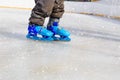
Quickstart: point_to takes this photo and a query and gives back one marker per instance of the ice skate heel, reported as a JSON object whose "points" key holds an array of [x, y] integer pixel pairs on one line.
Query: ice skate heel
{"points": [[36, 32], [63, 34]]}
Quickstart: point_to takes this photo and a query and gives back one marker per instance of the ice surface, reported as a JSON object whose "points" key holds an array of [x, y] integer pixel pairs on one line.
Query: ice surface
{"points": [[93, 53], [104, 7]]}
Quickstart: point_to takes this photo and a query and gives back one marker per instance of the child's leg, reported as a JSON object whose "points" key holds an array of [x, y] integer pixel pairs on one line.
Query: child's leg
{"points": [[58, 9], [42, 9], [53, 24], [57, 12]]}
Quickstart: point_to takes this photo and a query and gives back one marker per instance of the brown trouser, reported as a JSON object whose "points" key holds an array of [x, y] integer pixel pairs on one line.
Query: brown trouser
{"points": [[46, 8]]}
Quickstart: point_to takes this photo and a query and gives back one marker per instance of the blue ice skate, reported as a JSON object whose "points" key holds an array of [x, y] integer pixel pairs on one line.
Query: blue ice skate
{"points": [[60, 34], [36, 32]]}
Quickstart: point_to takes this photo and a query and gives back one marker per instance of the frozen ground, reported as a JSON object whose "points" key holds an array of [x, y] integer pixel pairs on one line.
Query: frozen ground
{"points": [[93, 53]]}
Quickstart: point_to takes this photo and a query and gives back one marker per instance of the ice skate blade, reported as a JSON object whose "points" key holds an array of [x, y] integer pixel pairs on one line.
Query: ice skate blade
{"points": [[38, 38], [62, 39]]}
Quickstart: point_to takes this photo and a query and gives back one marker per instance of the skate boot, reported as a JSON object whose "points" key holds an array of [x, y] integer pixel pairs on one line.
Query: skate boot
{"points": [[59, 34], [37, 32]]}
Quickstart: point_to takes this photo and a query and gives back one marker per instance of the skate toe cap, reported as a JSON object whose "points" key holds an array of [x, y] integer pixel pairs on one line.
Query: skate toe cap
{"points": [[64, 32]]}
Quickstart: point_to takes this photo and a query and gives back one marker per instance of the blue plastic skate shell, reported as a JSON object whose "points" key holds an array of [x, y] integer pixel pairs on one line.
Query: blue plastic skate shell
{"points": [[36, 32], [62, 34]]}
